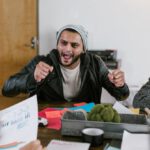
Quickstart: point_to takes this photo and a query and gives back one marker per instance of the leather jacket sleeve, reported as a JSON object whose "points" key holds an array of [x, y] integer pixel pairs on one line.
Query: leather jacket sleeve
{"points": [[22, 82], [120, 93]]}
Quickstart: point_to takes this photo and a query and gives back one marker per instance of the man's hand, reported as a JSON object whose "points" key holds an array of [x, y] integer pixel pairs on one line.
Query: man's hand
{"points": [[117, 77], [34, 145], [42, 70]]}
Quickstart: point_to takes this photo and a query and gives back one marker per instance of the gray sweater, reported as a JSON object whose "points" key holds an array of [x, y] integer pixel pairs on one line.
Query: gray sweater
{"points": [[142, 98]]}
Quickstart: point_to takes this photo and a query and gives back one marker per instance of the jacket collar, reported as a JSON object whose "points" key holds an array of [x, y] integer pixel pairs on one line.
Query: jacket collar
{"points": [[54, 57]]}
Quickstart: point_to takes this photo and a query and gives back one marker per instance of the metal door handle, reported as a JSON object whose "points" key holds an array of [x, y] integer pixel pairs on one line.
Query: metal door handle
{"points": [[33, 43]]}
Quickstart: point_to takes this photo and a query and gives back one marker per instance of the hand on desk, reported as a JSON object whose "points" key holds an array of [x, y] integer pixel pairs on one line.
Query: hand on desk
{"points": [[34, 145]]}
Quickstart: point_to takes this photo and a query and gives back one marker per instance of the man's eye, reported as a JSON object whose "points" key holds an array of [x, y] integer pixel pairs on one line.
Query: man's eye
{"points": [[74, 45], [64, 43]]}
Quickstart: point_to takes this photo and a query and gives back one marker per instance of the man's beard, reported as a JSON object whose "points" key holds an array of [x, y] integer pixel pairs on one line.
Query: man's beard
{"points": [[74, 60]]}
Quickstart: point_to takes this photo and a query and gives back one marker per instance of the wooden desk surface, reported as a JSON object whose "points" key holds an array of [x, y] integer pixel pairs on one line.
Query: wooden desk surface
{"points": [[45, 134]]}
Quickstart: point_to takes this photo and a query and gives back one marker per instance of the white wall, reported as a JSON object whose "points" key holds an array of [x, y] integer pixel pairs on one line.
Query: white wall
{"points": [[117, 24]]}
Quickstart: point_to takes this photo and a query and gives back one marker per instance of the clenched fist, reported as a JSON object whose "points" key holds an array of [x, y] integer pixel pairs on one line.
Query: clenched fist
{"points": [[117, 78], [42, 70]]}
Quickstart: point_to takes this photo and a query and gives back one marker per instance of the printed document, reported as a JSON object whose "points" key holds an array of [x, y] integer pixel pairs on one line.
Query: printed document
{"points": [[19, 124]]}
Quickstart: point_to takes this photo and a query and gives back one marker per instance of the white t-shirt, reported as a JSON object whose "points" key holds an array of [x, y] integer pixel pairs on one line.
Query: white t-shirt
{"points": [[71, 82]]}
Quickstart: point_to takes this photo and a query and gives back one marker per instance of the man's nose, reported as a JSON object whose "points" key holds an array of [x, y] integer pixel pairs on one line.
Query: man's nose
{"points": [[68, 47]]}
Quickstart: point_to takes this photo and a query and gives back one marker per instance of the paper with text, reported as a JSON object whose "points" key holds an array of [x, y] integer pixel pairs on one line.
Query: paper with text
{"points": [[19, 124]]}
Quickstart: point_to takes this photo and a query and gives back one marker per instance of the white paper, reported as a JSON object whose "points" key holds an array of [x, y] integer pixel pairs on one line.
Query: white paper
{"points": [[66, 145], [135, 141], [19, 123], [121, 109]]}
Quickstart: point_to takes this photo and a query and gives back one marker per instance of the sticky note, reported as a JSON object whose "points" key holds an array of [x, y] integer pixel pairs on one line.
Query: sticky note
{"points": [[79, 104], [135, 110], [53, 114]]}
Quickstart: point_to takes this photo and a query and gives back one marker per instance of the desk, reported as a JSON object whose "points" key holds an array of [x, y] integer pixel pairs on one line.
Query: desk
{"points": [[45, 134]]}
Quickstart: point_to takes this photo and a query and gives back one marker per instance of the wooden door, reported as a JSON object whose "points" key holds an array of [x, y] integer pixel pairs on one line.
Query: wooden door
{"points": [[18, 24]]}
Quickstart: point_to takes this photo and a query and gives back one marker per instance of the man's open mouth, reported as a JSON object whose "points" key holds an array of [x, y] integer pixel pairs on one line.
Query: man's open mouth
{"points": [[66, 56]]}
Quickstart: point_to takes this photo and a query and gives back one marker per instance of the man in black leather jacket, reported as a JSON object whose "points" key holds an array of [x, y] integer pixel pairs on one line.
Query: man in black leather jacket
{"points": [[68, 73]]}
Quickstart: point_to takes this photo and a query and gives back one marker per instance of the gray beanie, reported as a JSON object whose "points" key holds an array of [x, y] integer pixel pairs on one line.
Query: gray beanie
{"points": [[80, 29]]}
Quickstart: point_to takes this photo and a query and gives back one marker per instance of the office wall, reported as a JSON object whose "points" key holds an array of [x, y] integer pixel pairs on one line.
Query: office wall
{"points": [[116, 24]]}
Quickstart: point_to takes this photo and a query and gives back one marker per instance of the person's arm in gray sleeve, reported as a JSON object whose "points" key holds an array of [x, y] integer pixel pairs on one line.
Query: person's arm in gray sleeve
{"points": [[22, 82], [142, 97]]}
